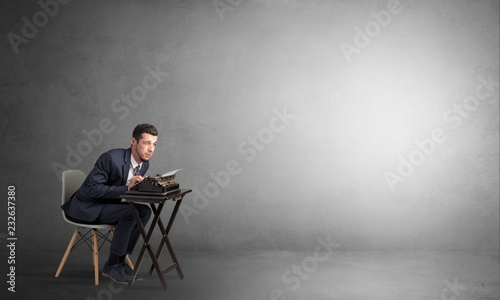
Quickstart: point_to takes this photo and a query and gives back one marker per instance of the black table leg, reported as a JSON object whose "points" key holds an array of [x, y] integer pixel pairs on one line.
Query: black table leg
{"points": [[166, 241], [146, 245]]}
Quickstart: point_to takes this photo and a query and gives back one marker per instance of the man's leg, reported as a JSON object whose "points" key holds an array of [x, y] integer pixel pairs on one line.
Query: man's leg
{"points": [[126, 230], [124, 238], [144, 214]]}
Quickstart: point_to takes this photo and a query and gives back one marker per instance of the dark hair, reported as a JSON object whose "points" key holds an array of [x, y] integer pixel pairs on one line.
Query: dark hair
{"points": [[144, 128]]}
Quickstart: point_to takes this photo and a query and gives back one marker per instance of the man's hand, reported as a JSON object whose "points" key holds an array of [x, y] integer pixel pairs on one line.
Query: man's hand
{"points": [[135, 180]]}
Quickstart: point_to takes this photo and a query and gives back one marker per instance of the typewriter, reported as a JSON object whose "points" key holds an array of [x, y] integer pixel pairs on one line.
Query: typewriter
{"points": [[157, 185]]}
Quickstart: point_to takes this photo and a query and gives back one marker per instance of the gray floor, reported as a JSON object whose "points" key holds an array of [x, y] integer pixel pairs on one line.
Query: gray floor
{"points": [[271, 275]]}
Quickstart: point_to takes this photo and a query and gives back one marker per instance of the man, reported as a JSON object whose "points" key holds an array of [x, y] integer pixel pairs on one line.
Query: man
{"points": [[97, 202]]}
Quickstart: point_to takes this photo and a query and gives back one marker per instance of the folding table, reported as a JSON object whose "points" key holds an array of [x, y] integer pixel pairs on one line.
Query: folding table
{"points": [[156, 202]]}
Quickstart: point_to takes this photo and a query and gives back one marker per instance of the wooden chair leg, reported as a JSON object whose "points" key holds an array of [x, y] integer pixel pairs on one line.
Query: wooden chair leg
{"points": [[68, 250], [95, 255], [129, 262]]}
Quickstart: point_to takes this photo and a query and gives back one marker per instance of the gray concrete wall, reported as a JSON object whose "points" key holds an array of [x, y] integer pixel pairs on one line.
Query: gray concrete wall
{"points": [[371, 124]]}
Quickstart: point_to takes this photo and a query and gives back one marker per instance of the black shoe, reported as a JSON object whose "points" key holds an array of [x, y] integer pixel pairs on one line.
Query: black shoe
{"points": [[116, 273], [129, 272]]}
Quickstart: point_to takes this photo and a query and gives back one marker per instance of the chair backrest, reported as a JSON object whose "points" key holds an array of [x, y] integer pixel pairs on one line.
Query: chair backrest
{"points": [[71, 182]]}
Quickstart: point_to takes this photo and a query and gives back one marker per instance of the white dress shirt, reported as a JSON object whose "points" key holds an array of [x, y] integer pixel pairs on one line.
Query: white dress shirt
{"points": [[133, 164]]}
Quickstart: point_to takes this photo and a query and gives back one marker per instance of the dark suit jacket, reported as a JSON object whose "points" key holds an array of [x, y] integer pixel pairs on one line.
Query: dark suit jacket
{"points": [[102, 186]]}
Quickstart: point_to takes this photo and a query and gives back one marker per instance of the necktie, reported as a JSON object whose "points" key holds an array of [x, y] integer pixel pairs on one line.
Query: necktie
{"points": [[136, 170]]}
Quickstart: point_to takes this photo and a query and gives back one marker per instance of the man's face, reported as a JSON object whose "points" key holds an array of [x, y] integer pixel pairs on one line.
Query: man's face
{"points": [[143, 149]]}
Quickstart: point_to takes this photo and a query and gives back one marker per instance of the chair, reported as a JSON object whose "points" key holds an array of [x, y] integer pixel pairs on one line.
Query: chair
{"points": [[71, 182]]}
